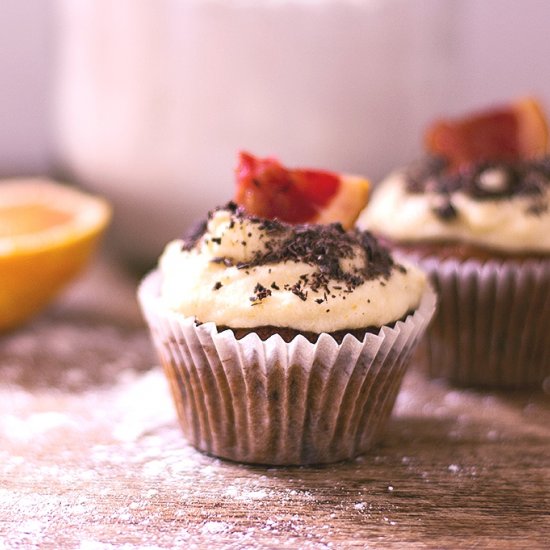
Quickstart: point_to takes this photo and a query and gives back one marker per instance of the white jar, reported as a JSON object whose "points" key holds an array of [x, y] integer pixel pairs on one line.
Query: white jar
{"points": [[155, 97]]}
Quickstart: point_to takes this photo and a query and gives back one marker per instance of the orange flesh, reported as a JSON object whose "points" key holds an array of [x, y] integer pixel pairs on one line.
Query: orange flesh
{"points": [[510, 133], [493, 137], [267, 189], [29, 218]]}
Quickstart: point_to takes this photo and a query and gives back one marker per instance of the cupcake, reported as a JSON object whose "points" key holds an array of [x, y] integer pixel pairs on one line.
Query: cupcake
{"points": [[283, 343], [475, 214]]}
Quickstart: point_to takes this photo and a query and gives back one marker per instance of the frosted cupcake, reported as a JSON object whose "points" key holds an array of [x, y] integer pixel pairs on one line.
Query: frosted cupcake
{"points": [[481, 229], [283, 344]]}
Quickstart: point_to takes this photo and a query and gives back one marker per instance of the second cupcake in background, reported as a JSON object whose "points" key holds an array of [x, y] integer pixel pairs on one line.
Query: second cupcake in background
{"points": [[475, 214], [284, 343]]}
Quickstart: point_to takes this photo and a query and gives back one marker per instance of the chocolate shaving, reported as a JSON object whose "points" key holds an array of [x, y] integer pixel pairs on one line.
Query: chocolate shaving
{"points": [[298, 291], [446, 211], [194, 235], [227, 262], [260, 293]]}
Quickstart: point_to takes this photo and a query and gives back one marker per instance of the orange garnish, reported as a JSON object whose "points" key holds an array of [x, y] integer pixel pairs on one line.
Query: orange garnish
{"points": [[47, 233], [511, 132], [267, 189]]}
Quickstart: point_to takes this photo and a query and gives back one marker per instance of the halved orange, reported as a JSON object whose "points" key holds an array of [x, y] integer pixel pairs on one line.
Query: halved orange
{"points": [[47, 233], [267, 189], [507, 133]]}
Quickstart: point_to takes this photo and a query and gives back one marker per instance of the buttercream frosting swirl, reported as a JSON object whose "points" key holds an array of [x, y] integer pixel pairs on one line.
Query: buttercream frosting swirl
{"points": [[245, 272], [497, 206]]}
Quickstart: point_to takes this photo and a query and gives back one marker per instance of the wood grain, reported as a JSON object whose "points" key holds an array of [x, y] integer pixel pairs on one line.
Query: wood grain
{"points": [[91, 455]]}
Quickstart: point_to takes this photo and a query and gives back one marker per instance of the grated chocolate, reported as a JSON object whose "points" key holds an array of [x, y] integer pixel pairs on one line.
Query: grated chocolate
{"points": [[322, 247], [529, 178]]}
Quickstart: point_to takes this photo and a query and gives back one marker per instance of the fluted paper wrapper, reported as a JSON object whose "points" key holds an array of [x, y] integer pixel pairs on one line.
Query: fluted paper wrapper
{"points": [[273, 402], [492, 326]]}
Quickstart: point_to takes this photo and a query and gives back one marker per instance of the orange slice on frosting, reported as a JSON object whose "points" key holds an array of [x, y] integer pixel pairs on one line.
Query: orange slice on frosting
{"points": [[507, 133], [267, 189]]}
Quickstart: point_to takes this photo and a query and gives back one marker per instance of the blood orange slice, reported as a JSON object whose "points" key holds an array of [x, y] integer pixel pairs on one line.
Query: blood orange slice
{"points": [[507, 133], [267, 189]]}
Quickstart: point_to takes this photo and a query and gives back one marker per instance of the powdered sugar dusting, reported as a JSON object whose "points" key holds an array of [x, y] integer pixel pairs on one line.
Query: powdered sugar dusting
{"points": [[92, 456]]}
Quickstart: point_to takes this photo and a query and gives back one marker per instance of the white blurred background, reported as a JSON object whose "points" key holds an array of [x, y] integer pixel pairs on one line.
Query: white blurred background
{"points": [[148, 101]]}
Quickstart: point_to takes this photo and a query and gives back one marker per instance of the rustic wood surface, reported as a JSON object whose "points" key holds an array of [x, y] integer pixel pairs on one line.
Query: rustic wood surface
{"points": [[91, 455]]}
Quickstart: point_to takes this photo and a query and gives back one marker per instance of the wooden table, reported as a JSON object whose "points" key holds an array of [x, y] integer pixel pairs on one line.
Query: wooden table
{"points": [[91, 455]]}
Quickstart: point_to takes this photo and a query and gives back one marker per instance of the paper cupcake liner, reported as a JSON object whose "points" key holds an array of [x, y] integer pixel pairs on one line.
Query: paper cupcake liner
{"points": [[273, 402], [492, 326]]}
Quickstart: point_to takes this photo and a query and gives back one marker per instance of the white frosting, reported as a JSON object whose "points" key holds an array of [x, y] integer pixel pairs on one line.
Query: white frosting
{"points": [[502, 224], [189, 279]]}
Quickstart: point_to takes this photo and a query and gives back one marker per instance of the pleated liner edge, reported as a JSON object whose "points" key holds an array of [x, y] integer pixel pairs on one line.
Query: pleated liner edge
{"points": [[492, 326], [278, 403]]}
